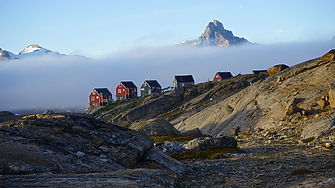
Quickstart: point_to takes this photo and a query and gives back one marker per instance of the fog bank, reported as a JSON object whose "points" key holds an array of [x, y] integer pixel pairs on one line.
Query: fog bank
{"points": [[49, 82]]}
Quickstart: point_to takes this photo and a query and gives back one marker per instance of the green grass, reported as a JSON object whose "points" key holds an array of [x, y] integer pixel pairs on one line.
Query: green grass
{"points": [[161, 138], [210, 153]]}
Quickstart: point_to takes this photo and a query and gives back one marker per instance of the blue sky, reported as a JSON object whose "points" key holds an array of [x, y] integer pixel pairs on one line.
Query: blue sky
{"points": [[97, 29]]}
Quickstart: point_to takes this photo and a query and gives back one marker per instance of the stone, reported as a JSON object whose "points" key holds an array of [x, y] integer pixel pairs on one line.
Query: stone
{"points": [[292, 109], [318, 128], [194, 133], [277, 68], [155, 127], [201, 144], [154, 154]]}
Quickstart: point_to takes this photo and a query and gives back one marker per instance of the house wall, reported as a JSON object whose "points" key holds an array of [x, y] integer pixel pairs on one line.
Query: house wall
{"points": [[95, 98], [216, 78], [122, 93]]}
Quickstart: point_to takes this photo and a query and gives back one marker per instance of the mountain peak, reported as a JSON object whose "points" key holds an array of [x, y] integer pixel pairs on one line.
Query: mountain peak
{"points": [[216, 35]]}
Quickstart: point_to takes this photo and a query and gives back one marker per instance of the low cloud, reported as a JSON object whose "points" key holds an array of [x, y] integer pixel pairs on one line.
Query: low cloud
{"points": [[48, 82]]}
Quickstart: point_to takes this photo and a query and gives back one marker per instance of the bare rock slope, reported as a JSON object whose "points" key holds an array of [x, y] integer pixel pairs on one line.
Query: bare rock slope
{"points": [[74, 144], [296, 97]]}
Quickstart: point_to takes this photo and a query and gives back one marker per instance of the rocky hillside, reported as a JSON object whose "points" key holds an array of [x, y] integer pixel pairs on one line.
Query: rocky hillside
{"points": [[216, 35], [299, 98], [176, 105]]}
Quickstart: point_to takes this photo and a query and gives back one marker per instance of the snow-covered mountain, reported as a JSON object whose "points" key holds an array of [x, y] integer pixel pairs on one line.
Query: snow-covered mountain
{"points": [[216, 35], [33, 50]]}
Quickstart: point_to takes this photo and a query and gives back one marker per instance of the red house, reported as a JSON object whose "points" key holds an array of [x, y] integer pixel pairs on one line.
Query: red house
{"points": [[125, 90], [100, 97], [222, 76]]}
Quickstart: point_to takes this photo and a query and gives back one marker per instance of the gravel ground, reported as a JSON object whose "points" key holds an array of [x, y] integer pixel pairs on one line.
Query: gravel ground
{"points": [[266, 164]]}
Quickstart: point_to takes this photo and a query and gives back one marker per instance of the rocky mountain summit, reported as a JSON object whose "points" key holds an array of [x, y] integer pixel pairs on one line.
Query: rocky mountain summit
{"points": [[33, 50], [6, 55], [216, 35]]}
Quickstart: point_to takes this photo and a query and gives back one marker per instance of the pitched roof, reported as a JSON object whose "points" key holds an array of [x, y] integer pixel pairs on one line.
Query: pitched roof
{"points": [[128, 84], [225, 75], [184, 78], [104, 91], [153, 83]]}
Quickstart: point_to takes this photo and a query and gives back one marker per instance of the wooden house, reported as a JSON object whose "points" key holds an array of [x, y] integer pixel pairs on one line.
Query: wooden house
{"points": [[125, 90], [150, 86], [100, 96], [222, 76], [184, 80]]}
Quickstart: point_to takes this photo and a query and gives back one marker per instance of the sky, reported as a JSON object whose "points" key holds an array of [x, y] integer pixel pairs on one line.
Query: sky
{"points": [[97, 29], [135, 40]]}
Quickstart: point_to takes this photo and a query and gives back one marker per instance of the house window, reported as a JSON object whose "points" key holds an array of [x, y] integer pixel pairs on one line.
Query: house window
{"points": [[123, 89], [217, 76], [134, 90], [119, 91], [92, 98]]}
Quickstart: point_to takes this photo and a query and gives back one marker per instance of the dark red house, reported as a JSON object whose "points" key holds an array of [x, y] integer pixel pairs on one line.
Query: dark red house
{"points": [[222, 76], [100, 96], [125, 90]]}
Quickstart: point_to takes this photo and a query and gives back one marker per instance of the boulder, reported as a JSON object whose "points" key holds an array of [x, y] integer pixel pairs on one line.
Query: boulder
{"points": [[193, 133], [292, 109], [318, 128], [170, 147], [329, 56], [276, 69], [154, 154], [201, 144], [155, 127]]}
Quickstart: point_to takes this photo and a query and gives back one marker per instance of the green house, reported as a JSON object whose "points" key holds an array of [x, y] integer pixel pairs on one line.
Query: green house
{"points": [[150, 86]]}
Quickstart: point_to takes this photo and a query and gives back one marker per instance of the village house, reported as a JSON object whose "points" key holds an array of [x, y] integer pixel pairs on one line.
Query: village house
{"points": [[150, 86], [100, 97], [222, 76], [125, 90], [184, 80]]}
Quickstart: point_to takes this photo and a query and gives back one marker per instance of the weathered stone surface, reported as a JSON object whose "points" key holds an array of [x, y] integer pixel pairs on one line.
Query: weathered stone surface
{"points": [[276, 69], [330, 56], [64, 143], [318, 128], [194, 133], [155, 127], [200, 144], [154, 154], [332, 95], [170, 147], [263, 104]]}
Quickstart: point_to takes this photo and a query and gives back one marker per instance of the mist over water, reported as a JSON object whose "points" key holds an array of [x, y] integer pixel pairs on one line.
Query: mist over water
{"points": [[49, 82]]}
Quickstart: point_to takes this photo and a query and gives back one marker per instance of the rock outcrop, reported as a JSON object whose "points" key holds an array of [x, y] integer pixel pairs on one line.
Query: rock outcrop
{"points": [[155, 127], [216, 35], [276, 69], [71, 144], [330, 56], [287, 97], [201, 144]]}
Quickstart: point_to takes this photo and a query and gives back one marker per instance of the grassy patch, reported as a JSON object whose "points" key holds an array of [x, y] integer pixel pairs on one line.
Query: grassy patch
{"points": [[211, 153], [161, 138], [301, 171]]}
